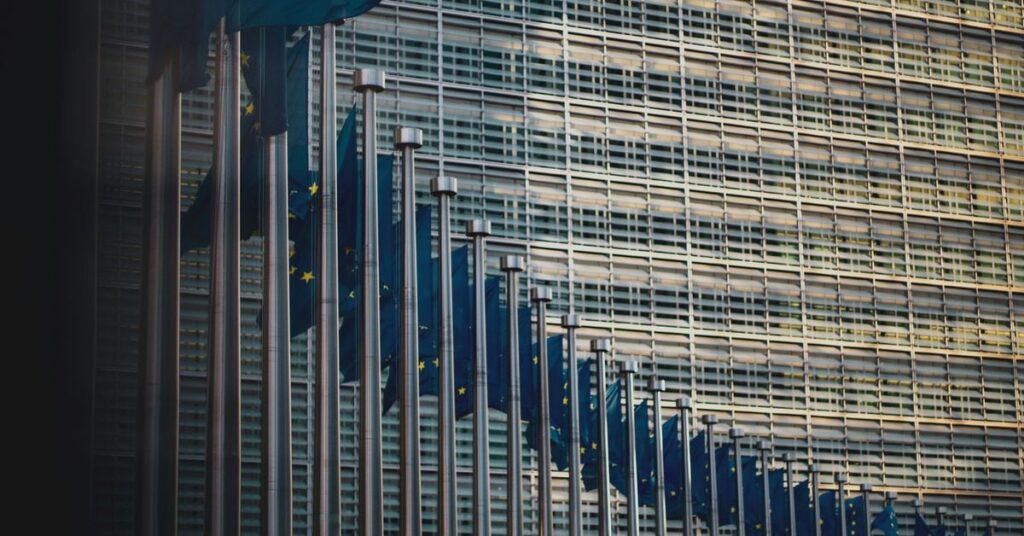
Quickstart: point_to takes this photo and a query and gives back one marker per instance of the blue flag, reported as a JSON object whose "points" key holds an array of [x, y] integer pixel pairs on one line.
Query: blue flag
{"points": [[558, 403], [617, 461], [497, 343], [195, 223], [725, 472], [529, 368], [779, 501], [855, 517], [829, 508], [672, 458], [644, 454], [182, 28], [264, 67], [753, 497], [462, 332], [921, 526], [254, 13], [700, 475], [587, 406], [803, 500], [886, 522]]}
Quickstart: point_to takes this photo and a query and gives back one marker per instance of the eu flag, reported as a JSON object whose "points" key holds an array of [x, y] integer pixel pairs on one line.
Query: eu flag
{"points": [[497, 344], [725, 471], [558, 404], [855, 516], [921, 526], [263, 67], [529, 369], [700, 475], [182, 27], [672, 457], [779, 501], [195, 223], [886, 522], [753, 497], [587, 406], [829, 508], [617, 461], [804, 507], [462, 332], [644, 456], [253, 13]]}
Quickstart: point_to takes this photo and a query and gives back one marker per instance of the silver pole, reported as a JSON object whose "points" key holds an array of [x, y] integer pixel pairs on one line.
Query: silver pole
{"points": [[967, 523], [479, 230], [765, 448], [841, 482], [918, 504], [371, 472], [541, 297], [737, 435], [709, 426], [277, 433], [815, 471], [445, 188], [327, 498], [788, 458], [512, 265], [656, 387], [407, 140], [940, 513], [570, 322], [223, 466], [890, 497], [157, 458], [629, 368], [992, 524], [865, 490], [685, 406], [600, 347]]}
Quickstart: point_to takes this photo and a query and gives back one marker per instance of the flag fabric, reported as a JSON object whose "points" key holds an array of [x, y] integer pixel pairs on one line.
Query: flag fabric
{"points": [[939, 530], [921, 526], [672, 458], [195, 223], [182, 27], [529, 367], [462, 332], [961, 531], [589, 434], [829, 509], [855, 516], [803, 500], [779, 501], [263, 68], [753, 497], [254, 13], [886, 522], [700, 475], [644, 454], [617, 461], [424, 295], [725, 474], [558, 405]]}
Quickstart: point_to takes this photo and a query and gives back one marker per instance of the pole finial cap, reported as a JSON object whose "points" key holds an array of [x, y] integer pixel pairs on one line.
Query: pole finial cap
{"points": [[540, 294], [736, 433], [709, 419], [630, 366], [814, 468], [655, 385], [478, 228], [764, 444], [840, 478], [512, 263], [865, 487], [408, 137], [570, 320], [684, 403], [601, 345], [788, 457], [442, 185], [369, 80]]}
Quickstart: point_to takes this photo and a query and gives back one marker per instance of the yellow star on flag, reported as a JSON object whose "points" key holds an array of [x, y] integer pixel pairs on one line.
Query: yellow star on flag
{"points": [[250, 108], [292, 270], [352, 294], [462, 391], [313, 189], [244, 57], [422, 365], [307, 276], [534, 360], [436, 362], [565, 401]]}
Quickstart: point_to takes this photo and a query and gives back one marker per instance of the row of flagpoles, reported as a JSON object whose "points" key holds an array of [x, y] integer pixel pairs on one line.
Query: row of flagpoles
{"points": [[682, 477]]}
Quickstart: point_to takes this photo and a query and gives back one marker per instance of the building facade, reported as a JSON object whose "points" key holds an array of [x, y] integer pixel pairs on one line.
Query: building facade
{"points": [[808, 216]]}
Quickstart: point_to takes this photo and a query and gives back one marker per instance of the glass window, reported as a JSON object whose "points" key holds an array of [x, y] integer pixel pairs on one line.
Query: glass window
{"points": [[746, 300], [784, 314]]}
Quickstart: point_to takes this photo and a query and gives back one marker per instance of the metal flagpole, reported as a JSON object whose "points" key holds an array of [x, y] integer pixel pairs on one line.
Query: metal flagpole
{"points": [[865, 490], [890, 497], [600, 347], [512, 265], [736, 434], [479, 230], [445, 188], [765, 448], [541, 296], [407, 140], [940, 513], [570, 322], [815, 471], [918, 504], [685, 406], [157, 446], [709, 426], [629, 368], [968, 517], [277, 433], [656, 387], [371, 473], [841, 482], [788, 458], [223, 466], [327, 464], [992, 524]]}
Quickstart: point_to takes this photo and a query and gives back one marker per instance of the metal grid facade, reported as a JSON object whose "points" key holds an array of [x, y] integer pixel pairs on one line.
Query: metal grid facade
{"points": [[807, 216]]}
